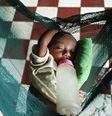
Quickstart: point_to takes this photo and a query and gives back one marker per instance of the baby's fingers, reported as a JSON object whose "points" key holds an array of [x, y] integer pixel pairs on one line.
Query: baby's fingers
{"points": [[81, 95]]}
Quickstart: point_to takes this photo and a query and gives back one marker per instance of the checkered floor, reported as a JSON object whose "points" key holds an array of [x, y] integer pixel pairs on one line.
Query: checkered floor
{"points": [[26, 33], [26, 29]]}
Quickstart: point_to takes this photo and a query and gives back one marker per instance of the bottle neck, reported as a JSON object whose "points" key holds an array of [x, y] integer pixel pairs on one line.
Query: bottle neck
{"points": [[66, 61]]}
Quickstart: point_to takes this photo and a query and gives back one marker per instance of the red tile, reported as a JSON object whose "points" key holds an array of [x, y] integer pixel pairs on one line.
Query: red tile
{"points": [[67, 12], [92, 3], [3, 3], [5, 30], [21, 17], [110, 61], [108, 8], [25, 79], [48, 3], [6, 3], [8, 24], [37, 31], [90, 30], [16, 49]]}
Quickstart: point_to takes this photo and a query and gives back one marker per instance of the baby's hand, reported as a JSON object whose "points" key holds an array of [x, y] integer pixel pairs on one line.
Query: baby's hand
{"points": [[81, 95]]}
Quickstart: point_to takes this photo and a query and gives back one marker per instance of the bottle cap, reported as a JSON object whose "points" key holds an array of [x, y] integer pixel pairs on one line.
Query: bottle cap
{"points": [[66, 61]]}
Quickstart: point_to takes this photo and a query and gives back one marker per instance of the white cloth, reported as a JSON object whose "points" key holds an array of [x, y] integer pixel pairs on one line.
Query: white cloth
{"points": [[43, 74]]}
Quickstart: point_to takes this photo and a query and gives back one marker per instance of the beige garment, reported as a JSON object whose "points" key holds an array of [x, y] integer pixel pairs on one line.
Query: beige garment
{"points": [[43, 74]]}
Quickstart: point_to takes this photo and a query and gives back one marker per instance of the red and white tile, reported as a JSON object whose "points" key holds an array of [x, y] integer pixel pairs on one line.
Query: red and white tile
{"points": [[25, 29]]}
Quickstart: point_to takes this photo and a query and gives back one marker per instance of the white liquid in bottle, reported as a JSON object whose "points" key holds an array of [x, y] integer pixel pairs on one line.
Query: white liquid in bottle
{"points": [[68, 101]]}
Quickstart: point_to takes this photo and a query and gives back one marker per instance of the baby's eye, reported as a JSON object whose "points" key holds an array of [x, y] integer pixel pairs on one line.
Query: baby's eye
{"points": [[59, 48]]}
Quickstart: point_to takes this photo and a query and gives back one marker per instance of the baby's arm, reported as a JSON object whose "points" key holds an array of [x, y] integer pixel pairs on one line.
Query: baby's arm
{"points": [[44, 41]]}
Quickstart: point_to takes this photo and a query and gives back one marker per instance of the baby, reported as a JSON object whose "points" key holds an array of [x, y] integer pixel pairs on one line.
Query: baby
{"points": [[61, 45], [53, 46]]}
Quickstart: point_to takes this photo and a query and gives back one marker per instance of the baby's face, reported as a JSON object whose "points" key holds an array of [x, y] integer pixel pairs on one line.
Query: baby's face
{"points": [[63, 48]]}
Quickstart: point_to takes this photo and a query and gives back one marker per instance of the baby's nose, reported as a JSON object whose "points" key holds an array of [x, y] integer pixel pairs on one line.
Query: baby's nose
{"points": [[67, 54]]}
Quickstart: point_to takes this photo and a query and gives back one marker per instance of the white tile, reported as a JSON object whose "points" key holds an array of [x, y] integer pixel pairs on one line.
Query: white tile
{"points": [[15, 67], [1, 113], [21, 30], [91, 9], [49, 12], [31, 3], [77, 35], [69, 3], [32, 42], [26, 86], [7, 13], [21, 107], [85, 10], [108, 3], [2, 46], [99, 22], [106, 64], [111, 91]]}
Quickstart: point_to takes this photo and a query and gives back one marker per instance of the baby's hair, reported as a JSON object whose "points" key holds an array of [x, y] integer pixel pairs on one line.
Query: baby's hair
{"points": [[61, 33]]}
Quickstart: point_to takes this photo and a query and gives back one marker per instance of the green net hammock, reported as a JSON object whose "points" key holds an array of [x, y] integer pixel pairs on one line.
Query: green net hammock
{"points": [[13, 95]]}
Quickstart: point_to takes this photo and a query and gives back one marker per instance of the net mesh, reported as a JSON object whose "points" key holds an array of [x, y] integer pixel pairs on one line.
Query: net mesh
{"points": [[13, 95]]}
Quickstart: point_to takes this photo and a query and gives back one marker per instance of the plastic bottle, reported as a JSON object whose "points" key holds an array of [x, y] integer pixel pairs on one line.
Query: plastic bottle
{"points": [[68, 101]]}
